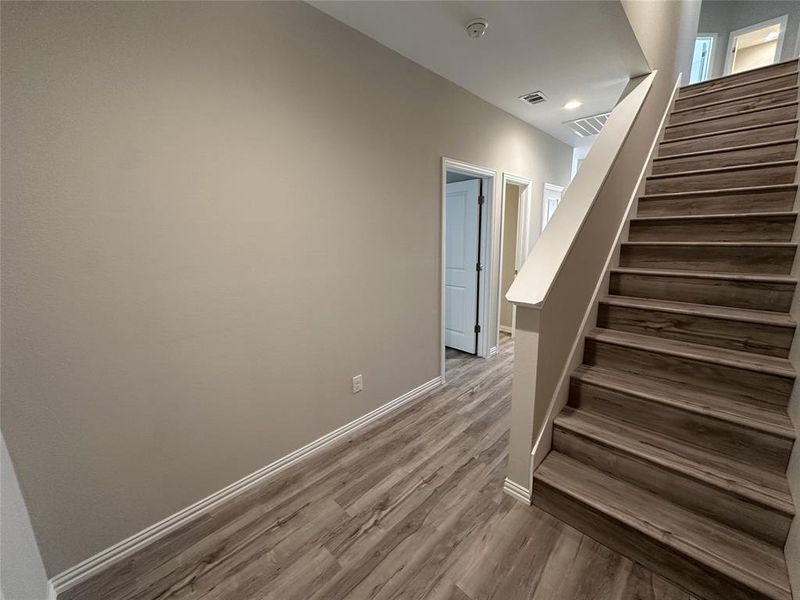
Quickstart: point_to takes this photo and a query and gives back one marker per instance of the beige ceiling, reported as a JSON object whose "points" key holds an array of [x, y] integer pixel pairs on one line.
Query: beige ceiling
{"points": [[568, 49]]}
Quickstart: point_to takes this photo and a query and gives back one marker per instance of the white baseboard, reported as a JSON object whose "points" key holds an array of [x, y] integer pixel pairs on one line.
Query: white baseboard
{"points": [[517, 492], [506, 329], [103, 560]]}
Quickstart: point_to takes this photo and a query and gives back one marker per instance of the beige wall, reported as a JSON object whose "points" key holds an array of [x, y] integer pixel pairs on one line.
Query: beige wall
{"points": [[175, 313], [510, 210]]}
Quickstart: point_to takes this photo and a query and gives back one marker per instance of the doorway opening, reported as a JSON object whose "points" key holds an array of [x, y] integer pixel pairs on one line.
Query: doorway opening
{"points": [[758, 45], [516, 242], [551, 198], [467, 194], [704, 46]]}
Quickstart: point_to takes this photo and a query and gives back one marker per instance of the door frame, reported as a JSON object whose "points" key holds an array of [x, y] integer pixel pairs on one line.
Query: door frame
{"points": [[554, 188], [782, 21], [487, 252], [524, 234]]}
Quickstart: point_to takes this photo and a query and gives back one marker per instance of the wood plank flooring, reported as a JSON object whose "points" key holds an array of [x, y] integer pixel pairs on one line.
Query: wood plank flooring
{"points": [[411, 508]]}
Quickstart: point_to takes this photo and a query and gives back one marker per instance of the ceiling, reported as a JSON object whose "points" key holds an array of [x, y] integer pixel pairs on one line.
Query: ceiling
{"points": [[568, 49]]}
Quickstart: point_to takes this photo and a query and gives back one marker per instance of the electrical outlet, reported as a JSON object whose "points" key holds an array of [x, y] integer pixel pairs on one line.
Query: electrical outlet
{"points": [[358, 384]]}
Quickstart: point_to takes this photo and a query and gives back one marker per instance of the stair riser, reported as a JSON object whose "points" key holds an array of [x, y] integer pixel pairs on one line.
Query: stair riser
{"points": [[727, 158], [757, 87], [714, 180], [723, 437], [648, 551], [710, 501], [723, 380], [721, 333], [759, 117], [720, 259], [756, 295], [731, 107], [755, 228], [770, 133], [751, 202], [754, 75]]}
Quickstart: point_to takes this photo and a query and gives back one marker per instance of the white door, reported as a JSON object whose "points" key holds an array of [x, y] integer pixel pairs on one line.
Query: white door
{"points": [[461, 260], [552, 196]]}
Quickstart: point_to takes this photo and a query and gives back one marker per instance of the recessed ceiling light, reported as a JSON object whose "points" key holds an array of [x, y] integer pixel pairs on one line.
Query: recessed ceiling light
{"points": [[772, 35], [572, 104]]}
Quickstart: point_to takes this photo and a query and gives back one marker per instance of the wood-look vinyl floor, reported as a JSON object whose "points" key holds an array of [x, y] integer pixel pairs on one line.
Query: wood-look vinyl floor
{"points": [[411, 508]]}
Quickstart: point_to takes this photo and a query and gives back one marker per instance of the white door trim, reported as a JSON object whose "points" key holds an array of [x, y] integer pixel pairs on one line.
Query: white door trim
{"points": [[782, 21], [796, 52], [553, 188], [523, 237], [488, 252]]}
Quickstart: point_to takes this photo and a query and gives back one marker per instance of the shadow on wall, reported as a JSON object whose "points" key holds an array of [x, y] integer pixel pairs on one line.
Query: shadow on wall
{"points": [[22, 574]]}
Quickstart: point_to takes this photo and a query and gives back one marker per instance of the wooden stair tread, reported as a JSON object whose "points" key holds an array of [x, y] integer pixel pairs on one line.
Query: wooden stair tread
{"points": [[727, 131], [759, 363], [744, 315], [761, 417], [729, 115], [678, 111], [714, 216], [748, 167], [714, 244], [754, 277], [754, 484], [725, 149], [723, 191], [734, 85], [739, 556]]}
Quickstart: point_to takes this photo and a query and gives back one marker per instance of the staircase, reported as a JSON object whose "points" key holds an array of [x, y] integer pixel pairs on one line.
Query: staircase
{"points": [[674, 444]]}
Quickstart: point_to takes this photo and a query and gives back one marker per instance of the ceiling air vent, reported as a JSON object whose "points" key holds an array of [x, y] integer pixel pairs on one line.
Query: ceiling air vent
{"points": [[533, 98], [587, 126]]}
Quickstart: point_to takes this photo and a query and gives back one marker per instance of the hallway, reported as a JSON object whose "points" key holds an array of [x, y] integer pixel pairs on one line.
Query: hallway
{"points": [[410, 508]]}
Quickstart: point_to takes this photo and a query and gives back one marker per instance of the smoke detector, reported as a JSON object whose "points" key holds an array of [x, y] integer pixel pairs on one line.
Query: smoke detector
{"points": [[476, 28]]}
